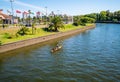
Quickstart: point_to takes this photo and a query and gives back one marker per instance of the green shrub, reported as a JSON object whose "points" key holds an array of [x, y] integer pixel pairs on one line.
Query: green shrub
{"points": [[23, 31], [115, 20], [75, 24], [7, 35], [83, 24], [17, 35], [0, 42]]}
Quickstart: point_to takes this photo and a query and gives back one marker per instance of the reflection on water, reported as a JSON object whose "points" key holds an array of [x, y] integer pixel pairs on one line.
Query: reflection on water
{"points": [[92, 56]]}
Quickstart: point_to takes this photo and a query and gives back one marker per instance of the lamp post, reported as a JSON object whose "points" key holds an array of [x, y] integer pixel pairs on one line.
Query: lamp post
{"points": [[72, 19], [58, 12], [29, 21], [12, 11], [46, 16]]}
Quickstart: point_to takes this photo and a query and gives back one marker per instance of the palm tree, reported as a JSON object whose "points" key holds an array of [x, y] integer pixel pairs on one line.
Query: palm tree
{"points": [[33, 28], [56, 23]]}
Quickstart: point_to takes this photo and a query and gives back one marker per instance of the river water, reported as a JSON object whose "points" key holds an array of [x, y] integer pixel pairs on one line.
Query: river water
{"points": [[92, 56]]}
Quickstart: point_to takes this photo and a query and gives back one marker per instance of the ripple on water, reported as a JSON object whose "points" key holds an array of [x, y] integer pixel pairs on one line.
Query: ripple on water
{"points": [[92, 56]]}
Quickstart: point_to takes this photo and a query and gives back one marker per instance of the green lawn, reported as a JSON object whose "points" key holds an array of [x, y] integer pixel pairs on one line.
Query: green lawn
{"points": [[39, 32]]}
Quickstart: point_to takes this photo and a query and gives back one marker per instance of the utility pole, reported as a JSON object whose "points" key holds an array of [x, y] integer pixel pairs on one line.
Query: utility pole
{"points": [[12, 11]]}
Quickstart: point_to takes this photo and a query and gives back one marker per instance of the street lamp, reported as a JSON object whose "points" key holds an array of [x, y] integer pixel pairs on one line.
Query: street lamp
{"points": [[72, 19], [58, 12], [12, 11], [29, 18], [46, 16]]}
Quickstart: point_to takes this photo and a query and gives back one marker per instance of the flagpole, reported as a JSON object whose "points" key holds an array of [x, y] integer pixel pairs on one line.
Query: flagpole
{"points": [[12, 11], [23, 17], [16, 16], [17, 12]]}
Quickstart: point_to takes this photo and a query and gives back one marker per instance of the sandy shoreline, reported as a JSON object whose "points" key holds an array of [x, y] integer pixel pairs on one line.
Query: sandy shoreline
{"points": [[28, 42]]}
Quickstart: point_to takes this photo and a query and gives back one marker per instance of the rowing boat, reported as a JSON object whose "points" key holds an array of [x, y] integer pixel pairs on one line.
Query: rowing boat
{"points": [[56, 48]]}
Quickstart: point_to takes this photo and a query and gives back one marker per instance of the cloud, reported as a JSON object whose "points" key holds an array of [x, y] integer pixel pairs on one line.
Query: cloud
{"points": [[28, 5]]}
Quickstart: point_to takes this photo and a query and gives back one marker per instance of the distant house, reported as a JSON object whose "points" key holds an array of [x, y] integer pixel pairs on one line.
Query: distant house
{"points": [[6, 18]]}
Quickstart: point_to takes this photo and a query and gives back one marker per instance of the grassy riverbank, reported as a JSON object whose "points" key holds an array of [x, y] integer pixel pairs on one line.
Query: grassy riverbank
{"points": [[39, 32]]}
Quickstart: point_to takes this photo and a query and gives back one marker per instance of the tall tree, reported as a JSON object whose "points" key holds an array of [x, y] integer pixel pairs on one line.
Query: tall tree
{"points": [[56, 23], [103, 16], [108, 17]]}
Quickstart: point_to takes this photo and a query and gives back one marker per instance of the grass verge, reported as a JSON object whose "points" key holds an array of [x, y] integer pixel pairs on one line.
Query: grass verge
{"points": [[38, 33]]}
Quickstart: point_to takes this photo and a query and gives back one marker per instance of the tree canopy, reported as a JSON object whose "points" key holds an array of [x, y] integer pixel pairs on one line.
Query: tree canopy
{"points": [[81, 20], [103, 16], [56, 23]]}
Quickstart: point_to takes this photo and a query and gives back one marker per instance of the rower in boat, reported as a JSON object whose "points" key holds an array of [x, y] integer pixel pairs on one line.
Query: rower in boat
{"points": [[58, 47]]}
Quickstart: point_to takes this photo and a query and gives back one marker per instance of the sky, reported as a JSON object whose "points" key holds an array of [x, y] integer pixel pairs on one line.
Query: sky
{"points": [[70, 7]]}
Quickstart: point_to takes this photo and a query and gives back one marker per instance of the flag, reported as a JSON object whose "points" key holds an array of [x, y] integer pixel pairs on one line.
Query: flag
{"points": [[25, 12], [1, 9], [32, 13], [17, 11], [38, 13]]}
